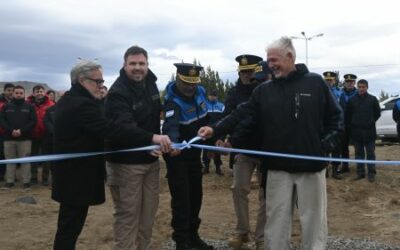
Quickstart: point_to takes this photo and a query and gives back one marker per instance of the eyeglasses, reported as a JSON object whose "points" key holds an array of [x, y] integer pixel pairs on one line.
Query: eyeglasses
{"points": [[97, 81]]}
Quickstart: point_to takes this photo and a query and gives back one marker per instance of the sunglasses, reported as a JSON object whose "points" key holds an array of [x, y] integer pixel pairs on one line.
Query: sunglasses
{"points": [[97, 81]]}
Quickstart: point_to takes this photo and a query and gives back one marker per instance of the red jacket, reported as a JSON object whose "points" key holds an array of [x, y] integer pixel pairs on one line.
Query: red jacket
{"points": [[39, 130]]}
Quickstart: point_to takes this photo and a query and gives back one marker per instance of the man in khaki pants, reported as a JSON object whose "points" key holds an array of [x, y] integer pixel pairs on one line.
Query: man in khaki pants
{"points": [[134, 102], [245, 165], [297, 114], [18, 119]]}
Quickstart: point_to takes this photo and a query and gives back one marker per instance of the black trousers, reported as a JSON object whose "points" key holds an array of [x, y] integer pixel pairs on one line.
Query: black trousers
{"points": [[345, 147], [185, 186], [70, 223]]}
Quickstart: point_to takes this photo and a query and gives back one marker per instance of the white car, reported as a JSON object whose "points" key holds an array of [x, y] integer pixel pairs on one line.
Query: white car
{"points": [[385, 126]]}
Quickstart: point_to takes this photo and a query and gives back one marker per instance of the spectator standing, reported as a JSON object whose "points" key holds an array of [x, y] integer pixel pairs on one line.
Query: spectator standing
{"points": [[5, 98], [18, 119], [214, 109], [41, 102], [362, 112], [349, 90]]}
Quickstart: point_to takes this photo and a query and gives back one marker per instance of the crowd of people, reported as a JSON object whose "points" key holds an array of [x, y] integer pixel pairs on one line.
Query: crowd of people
{"points": [[276, 105]]}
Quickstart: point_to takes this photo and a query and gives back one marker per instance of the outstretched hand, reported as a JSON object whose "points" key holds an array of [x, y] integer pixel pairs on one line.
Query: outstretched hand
{"points": [[205, 132]]}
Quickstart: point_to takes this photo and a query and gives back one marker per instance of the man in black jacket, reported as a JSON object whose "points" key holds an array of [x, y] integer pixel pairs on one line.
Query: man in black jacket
{"points": [[79, 127], [18, 118], [362, 112], [298, 115], [245, 165], [133, 178]]}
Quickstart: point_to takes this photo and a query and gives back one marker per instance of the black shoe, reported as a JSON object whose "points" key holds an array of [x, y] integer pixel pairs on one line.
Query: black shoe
{"points": [[45, 183], [196, 243], [359, 177], [206, 170], [34, 181], [371, 178]]}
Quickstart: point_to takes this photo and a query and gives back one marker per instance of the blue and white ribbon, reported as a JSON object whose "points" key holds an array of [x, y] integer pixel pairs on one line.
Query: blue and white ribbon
{"points": [[192, 144]]}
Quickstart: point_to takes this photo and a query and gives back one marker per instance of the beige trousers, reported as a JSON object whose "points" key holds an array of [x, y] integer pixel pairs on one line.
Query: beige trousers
{"points": [[243, 169], [135, 192], [17, 149], [283, 189]]}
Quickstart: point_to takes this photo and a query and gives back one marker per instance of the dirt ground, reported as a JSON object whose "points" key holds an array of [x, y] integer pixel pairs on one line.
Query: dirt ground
{"points": [[355, 209]]}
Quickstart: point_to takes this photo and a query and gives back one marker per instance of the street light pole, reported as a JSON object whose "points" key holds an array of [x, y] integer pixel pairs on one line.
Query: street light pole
{"points": [[306, 39]]}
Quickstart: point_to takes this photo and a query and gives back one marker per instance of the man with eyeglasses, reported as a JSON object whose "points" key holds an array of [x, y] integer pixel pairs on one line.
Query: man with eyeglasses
{"points": [[133, 177], [79, 127]]}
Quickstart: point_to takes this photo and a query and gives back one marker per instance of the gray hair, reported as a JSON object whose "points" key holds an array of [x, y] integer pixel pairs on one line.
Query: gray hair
{"points": [[82, 68], [285, 44]]}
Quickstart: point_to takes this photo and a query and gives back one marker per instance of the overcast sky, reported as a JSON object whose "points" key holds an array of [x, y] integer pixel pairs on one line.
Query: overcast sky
{"points": [[42, 39]]}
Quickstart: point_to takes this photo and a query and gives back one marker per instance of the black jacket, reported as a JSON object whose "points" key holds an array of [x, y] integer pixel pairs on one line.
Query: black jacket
{"points": [[295, 114], [138, 108], [235, 97], [18, 114], [79, 127], [362, 112]]}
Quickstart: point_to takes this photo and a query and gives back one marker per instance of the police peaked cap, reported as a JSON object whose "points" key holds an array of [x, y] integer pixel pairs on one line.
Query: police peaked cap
{"points": [[247, 62], [262, 71], [350, 77], [329, 75], [188, 72]]}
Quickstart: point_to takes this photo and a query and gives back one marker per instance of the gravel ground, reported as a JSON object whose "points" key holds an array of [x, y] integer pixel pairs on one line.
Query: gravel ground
{"points": [[334, 243]]}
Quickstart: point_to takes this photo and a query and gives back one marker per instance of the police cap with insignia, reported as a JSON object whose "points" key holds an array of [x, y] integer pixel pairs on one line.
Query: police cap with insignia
{"points": [[247, 62], [188, 72], [349, 77], [329, 75], [261, 71]]}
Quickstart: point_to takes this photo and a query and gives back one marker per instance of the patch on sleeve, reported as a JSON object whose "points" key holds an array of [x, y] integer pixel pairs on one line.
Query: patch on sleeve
{"points": [[169, 113]]}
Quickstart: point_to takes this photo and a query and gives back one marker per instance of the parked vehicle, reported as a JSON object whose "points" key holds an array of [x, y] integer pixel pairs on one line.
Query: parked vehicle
{"points": [[385, 126]]}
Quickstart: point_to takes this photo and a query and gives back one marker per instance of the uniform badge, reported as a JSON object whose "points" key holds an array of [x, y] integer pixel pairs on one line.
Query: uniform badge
{"points": [[169, 113], [192, 72], [244, 61]]}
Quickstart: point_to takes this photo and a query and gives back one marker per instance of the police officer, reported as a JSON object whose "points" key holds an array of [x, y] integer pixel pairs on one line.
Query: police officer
{"points": [[185, 112], [214, 109], [349, 91], [331, 78], [245, 165]]}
